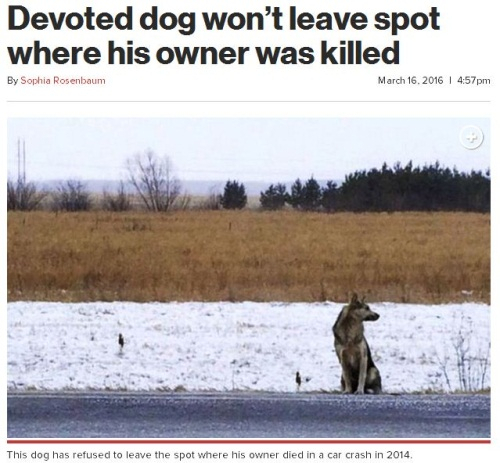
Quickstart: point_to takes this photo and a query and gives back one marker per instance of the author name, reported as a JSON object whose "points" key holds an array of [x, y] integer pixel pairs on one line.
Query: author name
{"points": [[55, 80]]}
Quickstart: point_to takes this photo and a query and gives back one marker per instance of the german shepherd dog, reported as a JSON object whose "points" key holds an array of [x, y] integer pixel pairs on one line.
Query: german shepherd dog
{"points": [[359, 373]]}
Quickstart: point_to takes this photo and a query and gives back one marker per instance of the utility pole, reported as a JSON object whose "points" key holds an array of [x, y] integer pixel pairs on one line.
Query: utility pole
{"points": [[24, 161], [21, 170], [18, 160]]}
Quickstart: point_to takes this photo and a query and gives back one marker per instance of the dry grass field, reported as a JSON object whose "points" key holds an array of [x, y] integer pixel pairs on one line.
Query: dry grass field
{"points": [[248, 255]]}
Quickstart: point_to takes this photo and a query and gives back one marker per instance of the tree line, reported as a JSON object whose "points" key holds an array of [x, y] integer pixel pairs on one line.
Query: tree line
{"points": [[398, 188]]}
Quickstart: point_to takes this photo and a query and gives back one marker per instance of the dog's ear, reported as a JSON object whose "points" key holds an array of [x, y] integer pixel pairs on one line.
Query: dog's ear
{"points": [[354, 298], [363, 299]]}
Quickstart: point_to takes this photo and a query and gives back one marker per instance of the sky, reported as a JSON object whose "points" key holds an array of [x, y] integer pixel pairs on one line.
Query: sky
{"points": [[247, 346], [244, 149]]}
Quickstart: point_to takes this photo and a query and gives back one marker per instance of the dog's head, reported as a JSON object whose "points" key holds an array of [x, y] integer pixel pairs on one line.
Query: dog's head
{"points": [[360, 310]]}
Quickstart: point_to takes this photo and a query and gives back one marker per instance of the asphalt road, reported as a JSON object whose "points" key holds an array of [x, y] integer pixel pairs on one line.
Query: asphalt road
{"points": [[247, 415]]}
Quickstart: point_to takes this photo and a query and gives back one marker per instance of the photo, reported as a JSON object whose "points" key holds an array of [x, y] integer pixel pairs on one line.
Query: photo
{"points": [[248, 278]]}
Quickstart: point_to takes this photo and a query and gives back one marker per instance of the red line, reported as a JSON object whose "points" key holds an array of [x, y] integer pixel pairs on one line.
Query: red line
{"points": [[249, 441]]}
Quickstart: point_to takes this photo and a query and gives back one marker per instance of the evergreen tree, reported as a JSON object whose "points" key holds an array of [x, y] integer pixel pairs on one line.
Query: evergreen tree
{"points": [[329, 196], [306, 196], [296, 196], [234, 196], [408, 188], [274, 197], [311, 198]]}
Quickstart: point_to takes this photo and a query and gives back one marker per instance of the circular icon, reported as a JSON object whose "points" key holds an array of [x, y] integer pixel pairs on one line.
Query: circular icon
{"points": [[471, 137]]}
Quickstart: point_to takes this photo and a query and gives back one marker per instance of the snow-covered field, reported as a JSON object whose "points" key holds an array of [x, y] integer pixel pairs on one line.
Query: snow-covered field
{"points": [[238, 346]]}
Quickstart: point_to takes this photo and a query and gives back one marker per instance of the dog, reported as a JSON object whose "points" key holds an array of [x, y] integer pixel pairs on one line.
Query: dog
{"points": [[359, 373]]}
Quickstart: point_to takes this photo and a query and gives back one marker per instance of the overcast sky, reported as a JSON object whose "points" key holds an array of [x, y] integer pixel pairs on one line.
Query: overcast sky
{"points": [[244, 149]]}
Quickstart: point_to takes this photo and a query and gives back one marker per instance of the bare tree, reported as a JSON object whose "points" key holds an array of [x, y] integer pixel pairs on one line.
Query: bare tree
{"points": [[118, 202], [153, 179], [212, 201], [72, 196], [23, 196]]}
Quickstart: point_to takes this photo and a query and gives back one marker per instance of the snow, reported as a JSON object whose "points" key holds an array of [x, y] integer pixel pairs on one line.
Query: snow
{"points": [[244, 346]]}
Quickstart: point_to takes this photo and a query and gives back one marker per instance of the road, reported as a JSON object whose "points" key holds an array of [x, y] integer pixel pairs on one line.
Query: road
{"points": [[246, 415]]}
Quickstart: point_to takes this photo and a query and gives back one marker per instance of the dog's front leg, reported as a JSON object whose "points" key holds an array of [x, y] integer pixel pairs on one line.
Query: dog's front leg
{"points": [[344, 363], [347, 381], [363, 367]]}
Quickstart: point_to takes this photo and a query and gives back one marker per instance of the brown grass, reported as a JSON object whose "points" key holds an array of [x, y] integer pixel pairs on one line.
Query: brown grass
{"points": [[248, 255]]}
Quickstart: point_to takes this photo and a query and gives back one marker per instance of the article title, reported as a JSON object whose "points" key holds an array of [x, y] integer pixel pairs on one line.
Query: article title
{"points": [[336, 51]]}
